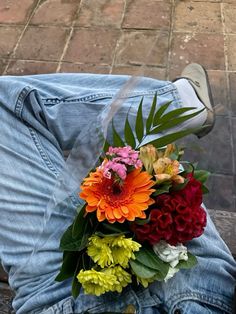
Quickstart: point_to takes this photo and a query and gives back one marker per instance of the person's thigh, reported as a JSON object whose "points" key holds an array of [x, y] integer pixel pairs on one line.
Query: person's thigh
{"points": [[36, 127], [40, 117], [29, 168]]}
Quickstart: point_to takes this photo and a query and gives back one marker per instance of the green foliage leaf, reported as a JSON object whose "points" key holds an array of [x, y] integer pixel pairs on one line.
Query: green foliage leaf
{"points": [[188, 166], [162, 188], [112, 229], [177, 154], [76, 285], [175, 113], [173, 122], [79, 221], [149, 121], [141, 270], [192, 261], [180, 186], [129, 136], [204, 189], [201, 175], [170, 138], [69, 265], [147, 257], [139, 127], [86, 261], [69, 243], [117, 140], [106, 146], [142, 222], [160, 112]]}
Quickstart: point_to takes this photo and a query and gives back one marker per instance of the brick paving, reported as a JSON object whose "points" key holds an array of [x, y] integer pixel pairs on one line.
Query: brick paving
{"points": [[114, 36]]}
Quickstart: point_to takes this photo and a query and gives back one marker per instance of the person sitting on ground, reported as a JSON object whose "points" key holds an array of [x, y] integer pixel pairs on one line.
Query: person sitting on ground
{"points": [[41, 116]]}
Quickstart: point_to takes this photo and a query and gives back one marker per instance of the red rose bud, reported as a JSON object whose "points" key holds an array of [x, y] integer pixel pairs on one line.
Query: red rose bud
{"points": [[177, 218]]}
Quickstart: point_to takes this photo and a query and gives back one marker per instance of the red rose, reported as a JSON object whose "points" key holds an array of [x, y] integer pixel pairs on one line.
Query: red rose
{"points": [[177, 217]]}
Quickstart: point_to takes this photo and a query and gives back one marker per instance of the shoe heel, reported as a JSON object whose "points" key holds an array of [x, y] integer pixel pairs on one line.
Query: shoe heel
{"points": [[208, 126]]}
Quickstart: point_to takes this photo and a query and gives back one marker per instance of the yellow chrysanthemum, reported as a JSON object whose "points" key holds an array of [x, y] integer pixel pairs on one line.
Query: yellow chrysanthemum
{"points": [[145, 281], [125, 243], [112, 250], [122, 250], [122, 276], [99, 251], [96, 283]]}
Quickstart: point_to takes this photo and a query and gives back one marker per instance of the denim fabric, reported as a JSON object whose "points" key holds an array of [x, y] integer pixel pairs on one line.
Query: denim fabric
{"points": [[41, 116]]}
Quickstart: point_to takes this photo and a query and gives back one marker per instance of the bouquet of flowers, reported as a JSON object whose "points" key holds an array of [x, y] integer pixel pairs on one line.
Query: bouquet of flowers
{"points": [[142, 204]]}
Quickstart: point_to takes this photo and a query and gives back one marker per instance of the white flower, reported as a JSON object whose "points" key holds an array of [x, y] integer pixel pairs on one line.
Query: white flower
{"points": [[171, 272], [169, 253]]}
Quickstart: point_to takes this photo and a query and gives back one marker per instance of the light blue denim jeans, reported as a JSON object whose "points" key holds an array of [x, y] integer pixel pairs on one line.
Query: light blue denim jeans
{"points": [[40, 118]]}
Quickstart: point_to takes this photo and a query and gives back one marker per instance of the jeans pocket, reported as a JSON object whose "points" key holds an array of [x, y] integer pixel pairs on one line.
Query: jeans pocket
{"points": [[63, 307], [196, 307]]}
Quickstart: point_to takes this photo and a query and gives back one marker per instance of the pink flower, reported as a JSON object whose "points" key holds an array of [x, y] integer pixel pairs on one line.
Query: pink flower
{"points": [[119, 169], [120, 159], [125, 155]]}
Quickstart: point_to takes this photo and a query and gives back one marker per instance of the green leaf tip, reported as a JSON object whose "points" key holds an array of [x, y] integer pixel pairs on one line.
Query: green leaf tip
{"points": [[139, 126], [129, 136]]}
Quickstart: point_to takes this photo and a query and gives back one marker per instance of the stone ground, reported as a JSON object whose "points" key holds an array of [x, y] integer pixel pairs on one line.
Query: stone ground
{"points": [[114, 36]]}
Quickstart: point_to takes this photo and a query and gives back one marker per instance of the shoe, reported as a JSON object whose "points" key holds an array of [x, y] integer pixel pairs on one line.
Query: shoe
{"points": [[198, 78]]}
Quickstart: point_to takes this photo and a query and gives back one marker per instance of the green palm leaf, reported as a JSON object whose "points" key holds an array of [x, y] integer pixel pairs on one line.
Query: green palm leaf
{"points": [[129, 136], [117, 140], [149, 121], [160, 112], [139, 127], [171, 123], [157, 121], [106, 146], [174, 113], [170, 138]]}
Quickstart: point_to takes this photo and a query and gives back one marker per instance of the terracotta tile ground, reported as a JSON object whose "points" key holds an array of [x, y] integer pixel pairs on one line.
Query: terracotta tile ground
{"points": [[115, 36]]}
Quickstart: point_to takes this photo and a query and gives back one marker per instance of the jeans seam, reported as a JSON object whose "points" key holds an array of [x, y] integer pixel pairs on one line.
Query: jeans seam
{"points": [[197, 296], [18, 111], [42, 151], [159, 91], [176, 96], [20, 100]]}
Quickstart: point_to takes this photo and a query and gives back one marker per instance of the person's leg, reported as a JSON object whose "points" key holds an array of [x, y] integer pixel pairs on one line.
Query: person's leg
{"points": [[39, 124], [40, 117], [29, 167]]}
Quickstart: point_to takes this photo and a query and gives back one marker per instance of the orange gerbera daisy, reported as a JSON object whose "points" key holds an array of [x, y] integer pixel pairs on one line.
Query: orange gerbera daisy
{"points": [[118, 202]]}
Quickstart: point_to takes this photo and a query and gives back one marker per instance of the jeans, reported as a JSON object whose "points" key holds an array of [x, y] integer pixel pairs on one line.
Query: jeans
{"points": [[41, 116]]}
